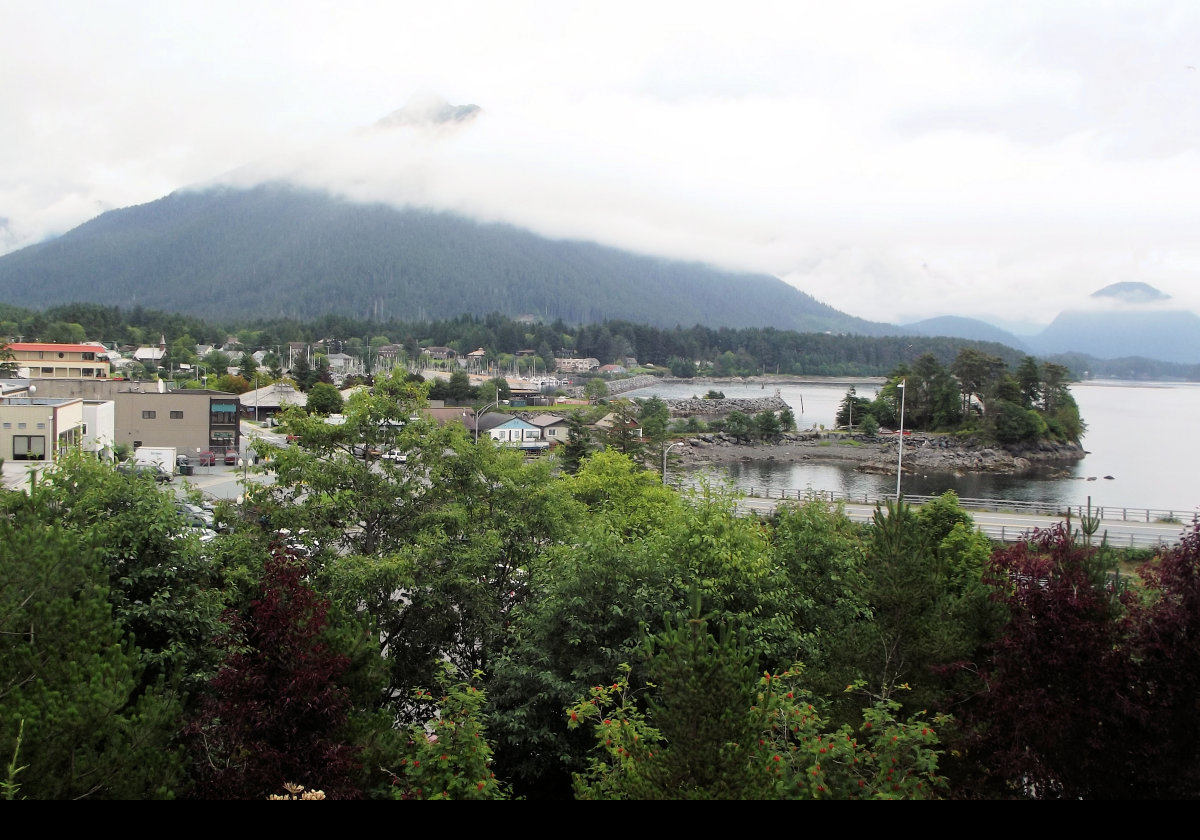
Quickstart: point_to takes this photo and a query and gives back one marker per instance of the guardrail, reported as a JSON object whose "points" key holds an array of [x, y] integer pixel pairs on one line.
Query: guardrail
{"points": [[1104, 512], [1120, 534]]}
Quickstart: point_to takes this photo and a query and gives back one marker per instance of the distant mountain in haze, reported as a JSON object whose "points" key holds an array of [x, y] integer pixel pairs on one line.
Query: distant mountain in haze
{"points": [[1127, 320], [1132, 293], [429, 111], [277, 251], [1169, 335], [970, 328]]}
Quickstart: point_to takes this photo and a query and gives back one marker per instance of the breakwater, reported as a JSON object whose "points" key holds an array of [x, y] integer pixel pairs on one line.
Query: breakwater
{"points": [[723, 407]]}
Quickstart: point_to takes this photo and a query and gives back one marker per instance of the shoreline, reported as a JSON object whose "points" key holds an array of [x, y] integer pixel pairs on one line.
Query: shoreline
{"points": [[922, 453]]}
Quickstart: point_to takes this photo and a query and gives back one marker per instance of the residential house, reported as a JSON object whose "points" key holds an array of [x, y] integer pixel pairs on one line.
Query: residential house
{"points": [[611, 421], [507, 430], [387, 356], [477, 361], [553, 428]]}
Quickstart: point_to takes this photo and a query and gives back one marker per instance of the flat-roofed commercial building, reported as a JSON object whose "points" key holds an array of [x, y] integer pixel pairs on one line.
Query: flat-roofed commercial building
{"points": [[60, 361], [37, 429], [189, 420]]}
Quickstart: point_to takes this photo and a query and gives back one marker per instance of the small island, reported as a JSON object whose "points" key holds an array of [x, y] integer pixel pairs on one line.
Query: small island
{"points": [[975, 416]]}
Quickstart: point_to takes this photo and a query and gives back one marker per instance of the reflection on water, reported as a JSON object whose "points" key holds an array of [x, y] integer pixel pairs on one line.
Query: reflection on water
{"points": [[1039, 485], [1136, 434]]}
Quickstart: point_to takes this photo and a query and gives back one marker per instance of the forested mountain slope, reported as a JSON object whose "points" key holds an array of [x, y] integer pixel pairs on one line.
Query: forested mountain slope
{"points": [[276, 251]]}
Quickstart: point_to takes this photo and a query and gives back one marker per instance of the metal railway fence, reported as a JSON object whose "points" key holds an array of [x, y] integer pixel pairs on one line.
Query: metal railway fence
{"points": [[1012, 533], [1112, 512]]}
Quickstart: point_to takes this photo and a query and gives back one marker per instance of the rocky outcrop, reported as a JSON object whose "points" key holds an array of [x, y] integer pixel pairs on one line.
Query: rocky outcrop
{"points": [[946, 454], [925, 454]]}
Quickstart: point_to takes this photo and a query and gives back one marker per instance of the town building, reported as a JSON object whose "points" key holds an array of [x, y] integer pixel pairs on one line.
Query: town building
{"points": [[190, 420], [60, 361], [39, 428]]}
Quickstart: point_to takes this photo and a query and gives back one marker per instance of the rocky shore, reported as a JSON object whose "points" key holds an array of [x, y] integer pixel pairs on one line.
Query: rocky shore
{"points": [[922, 453]]}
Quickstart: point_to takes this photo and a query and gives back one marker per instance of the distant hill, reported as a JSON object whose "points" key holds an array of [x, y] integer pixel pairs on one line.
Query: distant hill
{"points": [[1169, 335], [1125, 321], [276, 251], [969, 328]]}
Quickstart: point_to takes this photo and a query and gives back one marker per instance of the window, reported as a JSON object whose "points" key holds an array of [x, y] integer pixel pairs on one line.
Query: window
{"points": [[149, 415], [47, 371], [29, 447], [89, 357], [176, 415]]}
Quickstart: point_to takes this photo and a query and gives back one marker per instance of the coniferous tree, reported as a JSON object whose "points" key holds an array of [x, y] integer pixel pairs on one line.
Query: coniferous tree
{"points": [[578, 445]]}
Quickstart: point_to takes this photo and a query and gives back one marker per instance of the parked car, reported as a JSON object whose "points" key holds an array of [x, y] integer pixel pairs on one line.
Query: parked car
{"points": [[195, 516], [145, 470], [231, 458], [207, 458], [181, 460]]}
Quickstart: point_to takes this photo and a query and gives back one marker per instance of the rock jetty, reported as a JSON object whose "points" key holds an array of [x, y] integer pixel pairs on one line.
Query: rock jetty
{"points": [[723, 407]]}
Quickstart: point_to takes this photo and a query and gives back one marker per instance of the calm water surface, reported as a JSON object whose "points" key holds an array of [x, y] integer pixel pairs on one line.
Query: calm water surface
{"points": [[1138, 433]]}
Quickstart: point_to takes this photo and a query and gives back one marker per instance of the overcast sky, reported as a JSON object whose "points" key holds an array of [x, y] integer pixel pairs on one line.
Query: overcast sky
{"points": [[897, 160]]}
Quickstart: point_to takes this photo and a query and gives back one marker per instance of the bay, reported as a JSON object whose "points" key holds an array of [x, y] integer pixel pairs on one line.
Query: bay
{"points": [[1137, 433]]}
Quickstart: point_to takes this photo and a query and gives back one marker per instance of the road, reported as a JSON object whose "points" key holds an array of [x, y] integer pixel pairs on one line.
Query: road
{"points": [[1011, 527], [222, 482]]}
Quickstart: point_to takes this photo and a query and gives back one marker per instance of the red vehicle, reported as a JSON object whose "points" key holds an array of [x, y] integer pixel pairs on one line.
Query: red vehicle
{"points": [[207, 458], [231, 458]]}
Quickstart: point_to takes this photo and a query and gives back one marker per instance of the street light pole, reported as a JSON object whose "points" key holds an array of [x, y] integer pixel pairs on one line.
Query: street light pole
{"points": [[492, 404], [665, 451], [900, 459]]}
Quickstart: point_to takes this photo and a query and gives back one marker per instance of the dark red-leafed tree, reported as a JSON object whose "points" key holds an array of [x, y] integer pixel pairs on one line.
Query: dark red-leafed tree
{"points": [[1092, 690], [276, 709], [1056, 688]]}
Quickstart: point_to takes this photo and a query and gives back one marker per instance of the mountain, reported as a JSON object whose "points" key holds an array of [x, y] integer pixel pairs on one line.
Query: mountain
{"points": [[969, 328], [1170, 335], [1123, 321], [279, 251], [1132, 293]]}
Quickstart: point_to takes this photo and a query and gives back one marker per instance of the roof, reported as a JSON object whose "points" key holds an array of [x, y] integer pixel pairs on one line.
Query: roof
{"points": [[494, 420], [544, 420], [32, 347], [275, 394], [442, 416]]}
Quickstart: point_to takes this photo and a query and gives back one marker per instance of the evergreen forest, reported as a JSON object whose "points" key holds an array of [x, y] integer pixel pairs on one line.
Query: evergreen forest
{"points": [[683, 351]]}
